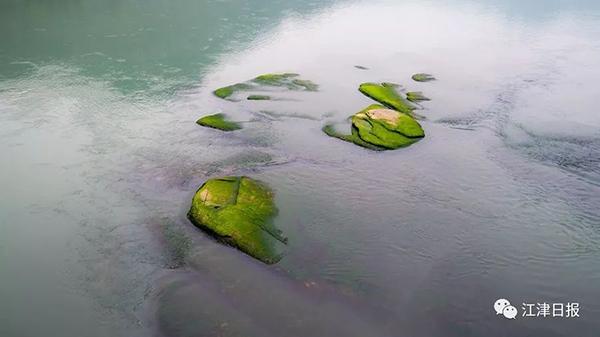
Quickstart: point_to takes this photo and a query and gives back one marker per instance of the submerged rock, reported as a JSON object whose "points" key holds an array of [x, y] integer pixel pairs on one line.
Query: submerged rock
{"points": [[218, 121], [416, 96], [238, 211], [306, 84], [227, 91], [259, 98], [421, 77], [275, 80], [177, 244], [388, 95], [380, 128], [266, 82], [331, 131]]}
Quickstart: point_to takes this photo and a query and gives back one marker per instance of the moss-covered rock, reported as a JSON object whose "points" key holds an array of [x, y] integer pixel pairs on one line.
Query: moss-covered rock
{"points": [[422, 77], [380, 128], [386, 128], [306, 84], [267, 82], [352, 137], [238, 211], [416, 96], [228, 91], [388, 95], [218, 121], [275, 80]]}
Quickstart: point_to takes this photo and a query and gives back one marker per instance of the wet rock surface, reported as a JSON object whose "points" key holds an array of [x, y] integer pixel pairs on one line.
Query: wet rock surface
{"points": [[238, 211]]}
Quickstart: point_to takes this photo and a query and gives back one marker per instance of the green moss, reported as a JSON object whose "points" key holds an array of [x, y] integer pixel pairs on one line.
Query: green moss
{"points": [[387, 95], [416, 96], [330, 130], [218, 121], [306, 84], [286, 80], [379, 128], [289, 81], [228, 91], [391, 84], [421, 77], [386, 128], [259, 98], [239, 212], [224, 92], [274, 79]]}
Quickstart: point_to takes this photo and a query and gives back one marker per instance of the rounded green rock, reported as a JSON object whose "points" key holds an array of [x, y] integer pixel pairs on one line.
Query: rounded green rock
{"points": [[239, 211]]}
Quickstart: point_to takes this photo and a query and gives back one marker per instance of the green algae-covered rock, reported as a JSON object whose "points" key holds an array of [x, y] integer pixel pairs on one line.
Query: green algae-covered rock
{"points": [[267, 82], [275, 80], [306, 84], [422, 77], [416, 96], [387, 95], [352, 138], [227, 91], [386, 128], [238, 211], [278, 80], [380, 128], [218, 121]]}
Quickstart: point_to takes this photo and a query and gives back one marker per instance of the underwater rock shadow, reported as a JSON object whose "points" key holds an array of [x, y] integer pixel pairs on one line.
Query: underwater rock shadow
{"points": [[223, 293]]}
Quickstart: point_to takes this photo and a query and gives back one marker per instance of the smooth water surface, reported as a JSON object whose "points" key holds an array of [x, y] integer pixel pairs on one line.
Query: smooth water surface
{"points": [[100, 157]]}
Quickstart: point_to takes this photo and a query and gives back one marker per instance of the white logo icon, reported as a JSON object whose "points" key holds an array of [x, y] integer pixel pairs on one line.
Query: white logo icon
{"points": [[510, 312], [500, 305]]}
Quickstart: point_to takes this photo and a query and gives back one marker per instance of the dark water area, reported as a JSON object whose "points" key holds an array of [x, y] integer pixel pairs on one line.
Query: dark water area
{"points": [[100, 157], [141, 47]]}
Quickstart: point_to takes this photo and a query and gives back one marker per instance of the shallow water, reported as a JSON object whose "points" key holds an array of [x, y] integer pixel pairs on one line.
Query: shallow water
{"points": [[100, 156]]}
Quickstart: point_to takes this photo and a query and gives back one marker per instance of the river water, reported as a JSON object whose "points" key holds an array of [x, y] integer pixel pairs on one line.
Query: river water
{"points": [[100, 157]]}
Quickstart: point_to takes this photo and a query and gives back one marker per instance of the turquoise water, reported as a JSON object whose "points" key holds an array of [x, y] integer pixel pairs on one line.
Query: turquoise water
{"points": [[100, 156]]}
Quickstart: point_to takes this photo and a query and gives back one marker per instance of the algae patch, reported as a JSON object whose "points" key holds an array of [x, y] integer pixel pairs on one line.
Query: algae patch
{"points": [[227, 91], [331, 131], [416, 96], [218, 121], [259, 98], [239, 211], [422, 77], [306, 84], [267, 82], [388, 95]]}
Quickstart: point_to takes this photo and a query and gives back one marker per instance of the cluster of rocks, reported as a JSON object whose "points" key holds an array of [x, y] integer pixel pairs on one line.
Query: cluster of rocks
{"points": [[385, 126], [239, 210]]}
